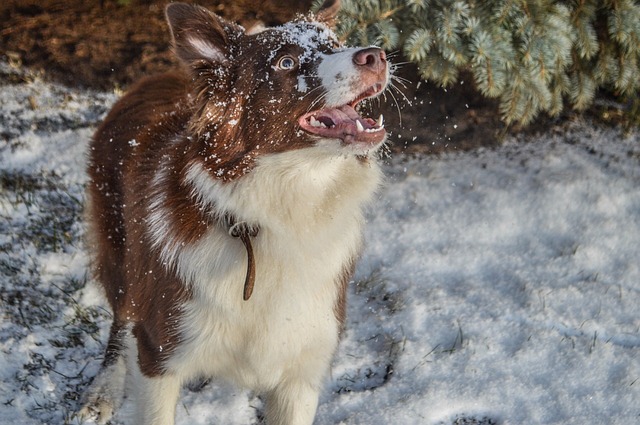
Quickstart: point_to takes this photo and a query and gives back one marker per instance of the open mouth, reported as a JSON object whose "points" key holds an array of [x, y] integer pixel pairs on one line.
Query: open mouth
{"points": [[343, 122]]}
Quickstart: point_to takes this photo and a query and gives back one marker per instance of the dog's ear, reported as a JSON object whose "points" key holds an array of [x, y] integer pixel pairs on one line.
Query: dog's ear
{"points": [[328, 12], [198, 34]]}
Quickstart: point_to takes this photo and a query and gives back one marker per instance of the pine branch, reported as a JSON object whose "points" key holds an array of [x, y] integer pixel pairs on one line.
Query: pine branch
{"points": [[531, 54]]}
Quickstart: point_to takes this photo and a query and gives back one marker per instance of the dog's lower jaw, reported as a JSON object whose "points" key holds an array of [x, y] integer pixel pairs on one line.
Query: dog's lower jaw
{"points": [[365, 153]]}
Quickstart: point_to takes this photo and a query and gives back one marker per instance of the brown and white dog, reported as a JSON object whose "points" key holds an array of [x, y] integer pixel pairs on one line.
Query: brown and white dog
{"points": [[252, 167]]}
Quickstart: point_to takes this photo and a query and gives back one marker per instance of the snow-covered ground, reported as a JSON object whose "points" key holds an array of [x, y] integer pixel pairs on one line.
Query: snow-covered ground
{"points": [[497, 286]]}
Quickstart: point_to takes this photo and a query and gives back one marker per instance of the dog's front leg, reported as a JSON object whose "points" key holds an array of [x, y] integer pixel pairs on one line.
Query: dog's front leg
{"points": [[156, 399], [106, 392], [292, 403]]}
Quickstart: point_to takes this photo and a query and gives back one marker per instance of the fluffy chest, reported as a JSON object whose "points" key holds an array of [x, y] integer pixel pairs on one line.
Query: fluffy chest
{"points": [[291, 315], [310, 235]]}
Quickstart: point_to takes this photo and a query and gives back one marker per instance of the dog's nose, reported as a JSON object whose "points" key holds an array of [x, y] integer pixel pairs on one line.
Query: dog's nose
{"points": [[372, 58]]}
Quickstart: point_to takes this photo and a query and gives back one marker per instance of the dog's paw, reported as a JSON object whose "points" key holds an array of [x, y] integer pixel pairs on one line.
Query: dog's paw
{"points": [[105, 395], [97, 409]]}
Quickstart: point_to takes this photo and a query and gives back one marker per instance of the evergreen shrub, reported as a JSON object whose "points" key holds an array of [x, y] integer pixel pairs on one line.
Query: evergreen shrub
{"points": [[534, 56]]}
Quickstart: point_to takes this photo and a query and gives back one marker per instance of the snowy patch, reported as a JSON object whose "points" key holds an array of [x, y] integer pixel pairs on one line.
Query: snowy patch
{"points": [[302, 84], [497, 286], [307, 35]]}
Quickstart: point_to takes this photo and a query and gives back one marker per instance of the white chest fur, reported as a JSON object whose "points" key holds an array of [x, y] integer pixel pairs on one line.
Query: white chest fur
{"points": [[308, 205]]}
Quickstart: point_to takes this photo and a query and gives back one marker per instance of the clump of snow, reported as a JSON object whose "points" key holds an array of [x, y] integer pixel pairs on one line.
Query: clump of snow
{"points": [[497, 286], [302, 84], [307, 35]]}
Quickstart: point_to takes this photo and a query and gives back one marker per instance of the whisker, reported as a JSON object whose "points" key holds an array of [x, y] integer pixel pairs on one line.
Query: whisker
{"points": [[397, 77], [400, 92], [312, 90], [316, 101], [402, 81], [397, 105], [393, 54]]}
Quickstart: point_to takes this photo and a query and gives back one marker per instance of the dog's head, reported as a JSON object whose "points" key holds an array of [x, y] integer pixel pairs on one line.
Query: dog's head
{"points": [[289, 87]]}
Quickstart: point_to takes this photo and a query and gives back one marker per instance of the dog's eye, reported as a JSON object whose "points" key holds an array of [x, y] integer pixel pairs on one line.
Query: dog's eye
{"points": [[286, 63]]}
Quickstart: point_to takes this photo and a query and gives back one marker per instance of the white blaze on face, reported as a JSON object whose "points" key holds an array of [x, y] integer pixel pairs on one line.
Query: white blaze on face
{"points": [[339, 77]]}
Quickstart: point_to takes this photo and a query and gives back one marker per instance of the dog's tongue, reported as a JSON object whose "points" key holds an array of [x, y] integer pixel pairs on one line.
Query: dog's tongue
{"points": [[343, 123]]}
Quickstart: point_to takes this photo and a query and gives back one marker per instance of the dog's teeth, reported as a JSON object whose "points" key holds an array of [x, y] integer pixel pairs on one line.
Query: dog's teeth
{"points": [[314, 122], [359, 126], [380, 122], [374, 129]]}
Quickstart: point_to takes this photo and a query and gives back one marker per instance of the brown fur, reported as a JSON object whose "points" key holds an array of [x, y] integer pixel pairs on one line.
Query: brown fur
{"points": [[139, 131]]}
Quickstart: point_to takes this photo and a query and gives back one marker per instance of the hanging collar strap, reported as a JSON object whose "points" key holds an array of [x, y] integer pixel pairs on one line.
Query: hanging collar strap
{"points": [[245, 232]]}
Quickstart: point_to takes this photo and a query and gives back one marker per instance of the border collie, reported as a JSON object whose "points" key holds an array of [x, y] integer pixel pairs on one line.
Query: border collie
{"points": [[225, 210]]}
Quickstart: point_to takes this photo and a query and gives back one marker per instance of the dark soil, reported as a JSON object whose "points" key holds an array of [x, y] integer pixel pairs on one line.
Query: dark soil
{"points": [[103, 44]]}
